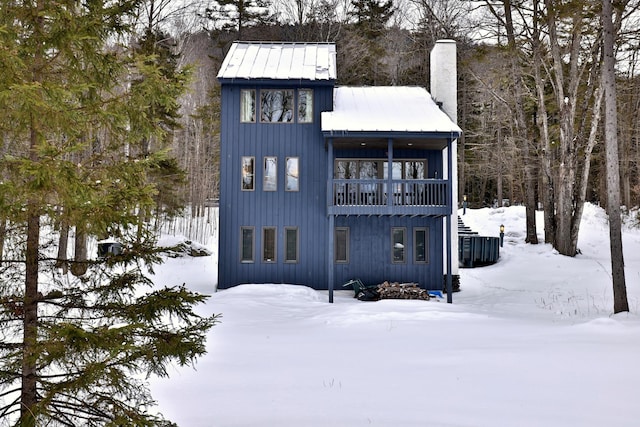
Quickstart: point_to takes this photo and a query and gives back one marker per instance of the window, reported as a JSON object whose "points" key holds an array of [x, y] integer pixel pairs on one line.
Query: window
{"points": [[276, 106], [290, 244], [398, 245], [292, 181], [270, 176], [368, 169], [247, 105], [342, 245], [247, 244], [345, 169], [248, 168], [305, 106], [415, 169], [379, 168], [269, 244], [421, 245]]}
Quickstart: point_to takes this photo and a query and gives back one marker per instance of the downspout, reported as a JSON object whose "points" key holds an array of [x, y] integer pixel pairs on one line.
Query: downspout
{"points": [[330, 240], [448, 219]]}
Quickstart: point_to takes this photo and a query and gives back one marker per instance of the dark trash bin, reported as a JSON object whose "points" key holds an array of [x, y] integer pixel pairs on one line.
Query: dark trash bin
{"points": [[476, 251]]}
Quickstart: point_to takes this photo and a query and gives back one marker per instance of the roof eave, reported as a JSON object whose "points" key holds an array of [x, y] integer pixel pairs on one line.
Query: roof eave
{"points": [[265, 81], [453, 134]]}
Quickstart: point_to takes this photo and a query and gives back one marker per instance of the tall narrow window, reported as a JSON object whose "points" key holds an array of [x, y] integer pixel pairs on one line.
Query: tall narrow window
{"points": [[270, 176], [248, 173], [421, 245], [398, 245], [342, 245], [247, 243], [247, 105], [291, 244], [276, 106], [269, 244], [292, 178], [305, 106]]}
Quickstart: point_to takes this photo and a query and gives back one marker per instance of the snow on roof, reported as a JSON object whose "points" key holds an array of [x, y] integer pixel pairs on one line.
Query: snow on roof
{"points": [[385, 109], [279, 61]]}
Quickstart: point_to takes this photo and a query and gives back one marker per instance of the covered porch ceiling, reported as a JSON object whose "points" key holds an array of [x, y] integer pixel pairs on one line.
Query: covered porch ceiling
{"points": [[368, 143]]}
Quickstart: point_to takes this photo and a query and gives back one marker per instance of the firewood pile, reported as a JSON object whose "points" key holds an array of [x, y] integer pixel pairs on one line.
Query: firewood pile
{"points": [[397, 290]]}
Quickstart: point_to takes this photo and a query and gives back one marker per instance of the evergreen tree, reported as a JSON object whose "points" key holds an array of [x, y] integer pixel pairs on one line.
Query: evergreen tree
{"points": [[74, 350], [361, 48], [237, 15], [158, 50], [371, 16]]}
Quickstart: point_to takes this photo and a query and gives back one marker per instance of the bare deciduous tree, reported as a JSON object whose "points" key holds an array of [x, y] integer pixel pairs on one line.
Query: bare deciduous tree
{"points": [[620, 302]]}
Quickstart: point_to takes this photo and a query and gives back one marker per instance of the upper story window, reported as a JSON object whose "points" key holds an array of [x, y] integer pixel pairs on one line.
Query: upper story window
{"points": [[276, 106], [292, 181], [379, 169], [248, 173], [305, 105], [247, 106], [270, 174]]}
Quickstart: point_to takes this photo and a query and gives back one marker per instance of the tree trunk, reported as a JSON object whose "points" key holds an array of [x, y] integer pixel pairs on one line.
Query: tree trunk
{"points": [[620, 302], [566, 222], [3, 231], [28, 389], [61, 259], [28, 397], [79, 266], [522, 134], [542, 122]]}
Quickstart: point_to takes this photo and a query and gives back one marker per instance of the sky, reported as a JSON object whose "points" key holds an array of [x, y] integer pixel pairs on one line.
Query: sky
{"points": [[528, 341]]}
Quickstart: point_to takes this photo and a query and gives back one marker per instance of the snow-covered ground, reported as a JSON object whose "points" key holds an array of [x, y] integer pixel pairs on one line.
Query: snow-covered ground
{"points": [[529, 341]]}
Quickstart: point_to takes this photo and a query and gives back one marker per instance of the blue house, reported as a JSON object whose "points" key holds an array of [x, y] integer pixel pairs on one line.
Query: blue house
{"points": [[321, 184]]}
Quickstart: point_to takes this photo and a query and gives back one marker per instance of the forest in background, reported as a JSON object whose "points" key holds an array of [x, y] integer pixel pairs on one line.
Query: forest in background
{"points": [[109, 127], [529, 91]]}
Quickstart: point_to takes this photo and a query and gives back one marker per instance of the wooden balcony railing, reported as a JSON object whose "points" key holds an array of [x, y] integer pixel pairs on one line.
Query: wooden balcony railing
{"points": [[367, 193]]}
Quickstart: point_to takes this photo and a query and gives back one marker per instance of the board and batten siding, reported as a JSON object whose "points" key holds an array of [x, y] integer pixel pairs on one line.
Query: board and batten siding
{"points": [[304, 209], [370, 251]]}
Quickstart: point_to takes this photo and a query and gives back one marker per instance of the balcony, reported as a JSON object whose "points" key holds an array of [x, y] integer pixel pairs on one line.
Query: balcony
{"points": [[409, 197]]}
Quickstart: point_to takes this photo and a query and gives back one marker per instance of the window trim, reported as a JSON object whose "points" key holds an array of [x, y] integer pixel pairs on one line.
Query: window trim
{"points": [[426, 245], [274, 247], [253, 244], [265, 175], [335, 245], [298, 103], [404, 243], [293, 110], [242, 105], [242, 173], [286, 174], [287, 260]]}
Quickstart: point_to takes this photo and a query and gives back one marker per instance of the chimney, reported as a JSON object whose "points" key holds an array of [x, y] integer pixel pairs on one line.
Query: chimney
{"points": [[444, 77], [444, 91]]}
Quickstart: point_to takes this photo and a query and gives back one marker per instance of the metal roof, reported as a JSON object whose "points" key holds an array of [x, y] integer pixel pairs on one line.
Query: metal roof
{"points": [[386, 109], [279, 61]]}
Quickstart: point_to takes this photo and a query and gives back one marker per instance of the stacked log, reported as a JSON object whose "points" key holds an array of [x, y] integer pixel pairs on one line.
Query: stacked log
{"points": [[397, 290]]}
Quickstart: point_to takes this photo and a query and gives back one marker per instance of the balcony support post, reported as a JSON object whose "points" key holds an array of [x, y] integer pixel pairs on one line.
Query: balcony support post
{"points": [[390, 194], [448, 219], [330, 199]]}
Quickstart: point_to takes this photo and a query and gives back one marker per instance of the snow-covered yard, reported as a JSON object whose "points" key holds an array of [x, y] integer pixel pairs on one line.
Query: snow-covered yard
{"points": [[529, 341]]}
